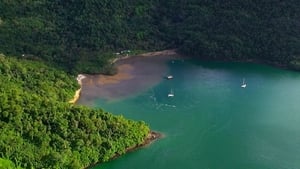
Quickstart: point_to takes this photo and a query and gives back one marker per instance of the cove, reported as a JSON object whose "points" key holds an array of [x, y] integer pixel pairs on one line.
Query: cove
{"points": [[213, 123]]}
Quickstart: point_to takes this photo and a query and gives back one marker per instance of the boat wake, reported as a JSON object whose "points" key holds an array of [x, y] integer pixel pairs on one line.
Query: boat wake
{"points": [[169, 105], [159, 105]]}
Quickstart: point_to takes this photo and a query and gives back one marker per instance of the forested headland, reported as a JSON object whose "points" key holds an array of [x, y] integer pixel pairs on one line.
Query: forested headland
{"points": [[40, 129], [83, 36]]}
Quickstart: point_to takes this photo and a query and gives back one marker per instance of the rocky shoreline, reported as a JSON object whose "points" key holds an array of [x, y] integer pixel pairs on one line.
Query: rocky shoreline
{"points": [[152, 136]]}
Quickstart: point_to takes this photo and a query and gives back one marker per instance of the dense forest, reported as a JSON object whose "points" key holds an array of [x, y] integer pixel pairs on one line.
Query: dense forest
{"points": [[40, 129], [82, 36]]}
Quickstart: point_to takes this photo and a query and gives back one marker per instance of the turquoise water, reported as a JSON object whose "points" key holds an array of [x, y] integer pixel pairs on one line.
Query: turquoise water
{"points": [[213, 123]]}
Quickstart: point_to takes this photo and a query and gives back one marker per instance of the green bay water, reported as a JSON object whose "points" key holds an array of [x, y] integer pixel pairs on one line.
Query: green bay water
{"points": [[213, 123]]}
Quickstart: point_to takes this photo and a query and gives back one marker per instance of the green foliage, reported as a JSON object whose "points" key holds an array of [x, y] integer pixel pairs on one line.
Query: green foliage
{"points": [[237, 30], [40, 129], [7, 164], [71, 34], [78, 35]]}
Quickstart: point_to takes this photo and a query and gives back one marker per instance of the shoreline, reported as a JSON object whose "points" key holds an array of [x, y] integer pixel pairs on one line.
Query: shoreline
{"points": [[152, 136], [76, 96], [167, 52], [283, 66], [78, 91]]}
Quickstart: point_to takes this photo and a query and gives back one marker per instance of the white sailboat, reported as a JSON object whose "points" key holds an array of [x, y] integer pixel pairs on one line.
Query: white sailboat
{"points": [[169, 77], [244, 85], [171, 94]]}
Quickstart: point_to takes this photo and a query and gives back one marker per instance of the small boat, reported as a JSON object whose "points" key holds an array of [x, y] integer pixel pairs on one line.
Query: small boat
{"points": [[244, 85], [171, 94], [169, 77]]}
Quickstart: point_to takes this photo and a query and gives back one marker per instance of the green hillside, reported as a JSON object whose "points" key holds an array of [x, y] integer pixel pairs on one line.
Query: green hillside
{"points": [[40, 129], [82, 36]]}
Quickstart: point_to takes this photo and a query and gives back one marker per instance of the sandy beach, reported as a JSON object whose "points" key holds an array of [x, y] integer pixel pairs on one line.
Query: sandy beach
{"points": [[135, 74]]}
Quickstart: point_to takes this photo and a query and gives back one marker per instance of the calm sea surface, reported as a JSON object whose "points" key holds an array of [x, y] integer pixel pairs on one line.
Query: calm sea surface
{"points": [[213, 123]]}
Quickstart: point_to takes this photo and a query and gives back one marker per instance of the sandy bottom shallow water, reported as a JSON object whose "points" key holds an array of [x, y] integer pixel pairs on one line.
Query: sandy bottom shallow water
{"points": [[135, 74]]}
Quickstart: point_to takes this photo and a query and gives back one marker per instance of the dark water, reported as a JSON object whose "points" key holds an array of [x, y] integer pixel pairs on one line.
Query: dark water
{"points": [[213, 123]]}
